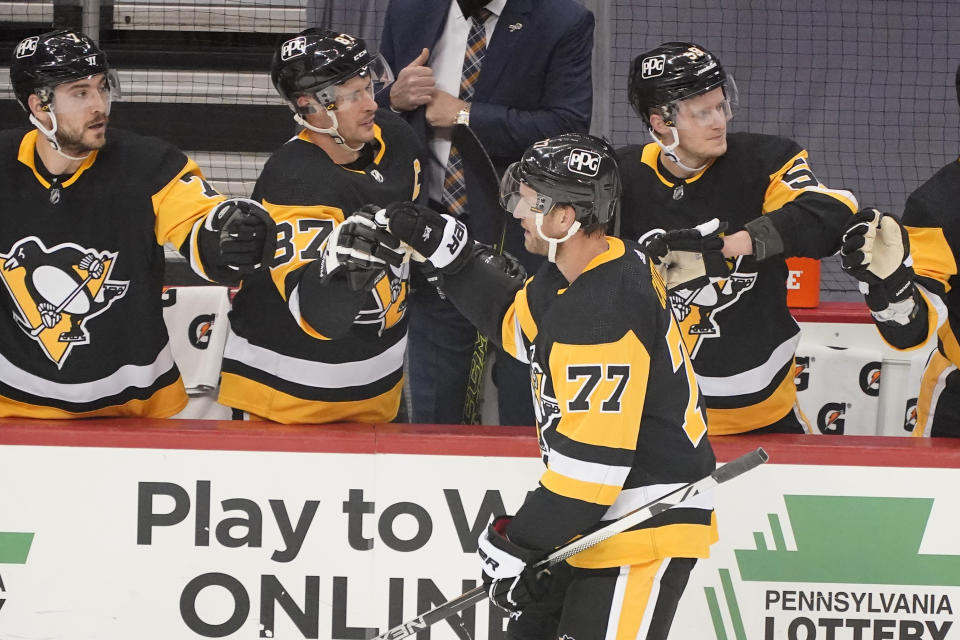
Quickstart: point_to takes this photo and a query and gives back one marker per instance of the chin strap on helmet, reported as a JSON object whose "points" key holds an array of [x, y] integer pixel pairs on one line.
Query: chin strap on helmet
{"points": [[670, 150], [330, 131], [552, 243], [51, 134]]}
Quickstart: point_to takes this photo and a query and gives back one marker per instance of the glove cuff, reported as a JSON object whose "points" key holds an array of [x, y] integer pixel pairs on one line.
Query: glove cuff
{"points": [[764, 237]]}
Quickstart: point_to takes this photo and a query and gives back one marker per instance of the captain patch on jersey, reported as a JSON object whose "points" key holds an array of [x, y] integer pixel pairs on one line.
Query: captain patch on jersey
{"points": [[57, 290]]}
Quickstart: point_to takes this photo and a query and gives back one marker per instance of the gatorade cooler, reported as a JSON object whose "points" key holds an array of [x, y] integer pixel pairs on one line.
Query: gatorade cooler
{"points": [[803, 282]]}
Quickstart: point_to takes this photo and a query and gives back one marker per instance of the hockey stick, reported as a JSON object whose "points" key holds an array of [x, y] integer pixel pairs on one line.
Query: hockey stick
{"points": [[675, 498], [476, 159]]}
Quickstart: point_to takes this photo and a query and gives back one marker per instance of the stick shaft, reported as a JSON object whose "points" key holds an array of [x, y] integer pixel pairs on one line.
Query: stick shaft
{"points": [[675, 498]]}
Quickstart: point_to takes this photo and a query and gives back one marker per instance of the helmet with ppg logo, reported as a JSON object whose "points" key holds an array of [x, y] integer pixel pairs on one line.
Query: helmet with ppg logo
{"points": [[40, 63], [576, 169], [316, 60], [672, 72]]}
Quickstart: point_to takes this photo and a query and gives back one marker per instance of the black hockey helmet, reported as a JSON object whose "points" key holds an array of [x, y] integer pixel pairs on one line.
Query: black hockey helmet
{"points": [[672, 72], [40, 63], [574, 168], [316, 60]]}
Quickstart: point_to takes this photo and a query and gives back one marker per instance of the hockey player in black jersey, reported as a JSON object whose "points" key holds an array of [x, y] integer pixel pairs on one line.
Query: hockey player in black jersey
{"points": [[86, 213], [620, 417], [908, 272], [321, 337], [738, 329]]}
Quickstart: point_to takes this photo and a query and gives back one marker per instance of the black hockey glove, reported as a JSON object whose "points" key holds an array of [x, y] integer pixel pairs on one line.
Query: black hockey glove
{"points": [[436, 237], [511, 582], [360, 248], [238, 235], [876, 251], [688, 258]]}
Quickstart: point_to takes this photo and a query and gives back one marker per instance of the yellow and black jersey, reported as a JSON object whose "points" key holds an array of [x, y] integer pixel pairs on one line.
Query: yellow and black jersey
{"points": [[620, 418], [739, 331], [931, 220], [81, 260], [302, 351]]}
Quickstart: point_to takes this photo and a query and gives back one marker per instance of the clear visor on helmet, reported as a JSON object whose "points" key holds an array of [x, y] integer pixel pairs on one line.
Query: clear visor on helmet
{"points": [[87, 95], [369, 81], [713, 108], [520, 199]]}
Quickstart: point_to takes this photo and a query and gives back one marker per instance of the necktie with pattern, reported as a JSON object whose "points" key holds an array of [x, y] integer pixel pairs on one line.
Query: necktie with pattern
{"points": [[454, 197]]}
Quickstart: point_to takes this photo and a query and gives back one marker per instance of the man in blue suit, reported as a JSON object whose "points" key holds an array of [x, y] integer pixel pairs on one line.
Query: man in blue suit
{"points": [[534, 82]]}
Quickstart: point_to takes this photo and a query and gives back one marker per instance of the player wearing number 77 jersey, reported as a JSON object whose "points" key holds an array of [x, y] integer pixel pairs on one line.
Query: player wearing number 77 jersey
{"points": [[620, 418]]}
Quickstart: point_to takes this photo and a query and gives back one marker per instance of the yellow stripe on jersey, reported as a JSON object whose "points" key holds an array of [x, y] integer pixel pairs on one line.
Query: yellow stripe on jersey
{"points": [[932, 256], [794, 179], [600, 390], [184, 200], [637, 547], [593, 492], [301, 230], [651, 151], [248, 395], [163, 403], [637, 589], [931, 386], [950, 346], [518, 317], [27, 154], [781, 401]]}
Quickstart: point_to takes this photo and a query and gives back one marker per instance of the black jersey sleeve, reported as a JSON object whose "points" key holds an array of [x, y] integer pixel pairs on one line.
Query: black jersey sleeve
{"points": [[486, 290], [809, 217]]}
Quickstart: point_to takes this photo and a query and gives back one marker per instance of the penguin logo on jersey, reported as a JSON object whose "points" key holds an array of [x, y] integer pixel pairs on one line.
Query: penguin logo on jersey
{"points": [[55, 291], [545, 408], [696, 309]]}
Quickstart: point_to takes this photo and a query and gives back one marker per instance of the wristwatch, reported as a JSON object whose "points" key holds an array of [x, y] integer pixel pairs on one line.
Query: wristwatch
{"points": [[463, 116]]}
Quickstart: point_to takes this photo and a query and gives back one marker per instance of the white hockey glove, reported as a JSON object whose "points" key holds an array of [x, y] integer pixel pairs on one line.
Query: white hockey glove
{"points": [[436, 237], [511, 582], [688, 258], [876, 251], [239, 235], [361, 249]]}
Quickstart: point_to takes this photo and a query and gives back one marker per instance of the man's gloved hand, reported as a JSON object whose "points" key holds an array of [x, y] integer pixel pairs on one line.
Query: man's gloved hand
{"points": [[512, 583], [246, 235], [876, 251], [688, 258], [436, 237], [361, 248]]}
